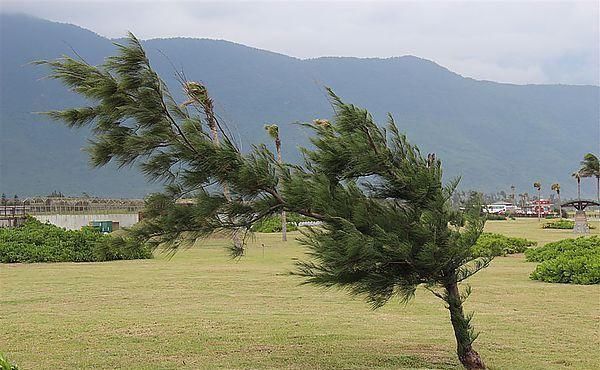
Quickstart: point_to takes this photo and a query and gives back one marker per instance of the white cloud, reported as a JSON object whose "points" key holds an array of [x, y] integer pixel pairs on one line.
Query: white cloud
{"points": [[518, 42]]}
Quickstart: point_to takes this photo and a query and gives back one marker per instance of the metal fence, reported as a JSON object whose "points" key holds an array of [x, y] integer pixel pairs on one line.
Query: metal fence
{"points": [[67, 205], [12, 212]]}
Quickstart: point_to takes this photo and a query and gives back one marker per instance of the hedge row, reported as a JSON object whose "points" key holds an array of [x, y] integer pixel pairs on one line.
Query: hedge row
{"points": [[574, 261], [273, 224], [559, 224], [490, 244], [38, 242]]}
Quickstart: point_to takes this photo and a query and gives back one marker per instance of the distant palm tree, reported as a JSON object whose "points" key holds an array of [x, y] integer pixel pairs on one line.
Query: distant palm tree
{"points": [[273, 131], [538, 187], [590, 167], [556, 188], [512, 189], [198, 94], [522, 200], [577, 176]]}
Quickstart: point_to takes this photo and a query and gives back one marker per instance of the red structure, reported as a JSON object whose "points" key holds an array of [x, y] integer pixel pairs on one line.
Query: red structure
{"points": [[543, 205]]}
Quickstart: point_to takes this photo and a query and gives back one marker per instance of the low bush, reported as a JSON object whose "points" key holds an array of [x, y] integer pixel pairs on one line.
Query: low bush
{"points": [[562, 224], [495, 217], [490, 244], [37, 242], [272, 225], [575, 261], [559, 224], [568, 247]]}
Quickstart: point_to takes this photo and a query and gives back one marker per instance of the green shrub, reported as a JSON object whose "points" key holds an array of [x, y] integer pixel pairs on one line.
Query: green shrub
{"points": [[568, 247], [37, 242], [559, 224], [273, 225], [575, 261], [490, 244], [121, 248], [296, 217], [495, 217], [582, 269]]}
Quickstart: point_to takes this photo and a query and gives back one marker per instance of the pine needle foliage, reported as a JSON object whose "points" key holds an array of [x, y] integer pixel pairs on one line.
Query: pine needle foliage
{"points": [[387, 226]]}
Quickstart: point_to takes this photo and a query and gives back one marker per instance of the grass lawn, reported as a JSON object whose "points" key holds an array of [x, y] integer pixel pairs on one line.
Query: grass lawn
{"points": [[531, 228], [202, 310]]}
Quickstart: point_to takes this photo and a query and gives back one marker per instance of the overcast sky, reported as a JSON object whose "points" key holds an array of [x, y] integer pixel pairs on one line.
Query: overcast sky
{"points": [[508, 41]]}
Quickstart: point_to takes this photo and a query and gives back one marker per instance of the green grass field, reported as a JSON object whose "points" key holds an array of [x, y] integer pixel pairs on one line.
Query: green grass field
{"points": [[201, 310]]}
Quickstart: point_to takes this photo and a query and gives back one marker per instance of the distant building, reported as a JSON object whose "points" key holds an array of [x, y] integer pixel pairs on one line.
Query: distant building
{"points": [[543, 205], [500, 208]]}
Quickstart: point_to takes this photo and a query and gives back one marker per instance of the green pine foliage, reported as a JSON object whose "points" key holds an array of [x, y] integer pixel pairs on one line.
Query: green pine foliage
{"points": [[490, 244], [387, 225], [574, 261], [37, 242]]}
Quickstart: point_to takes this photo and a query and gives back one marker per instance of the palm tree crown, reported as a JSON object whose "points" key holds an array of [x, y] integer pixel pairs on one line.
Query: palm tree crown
{"points": [[590, 167], [273, 131]]}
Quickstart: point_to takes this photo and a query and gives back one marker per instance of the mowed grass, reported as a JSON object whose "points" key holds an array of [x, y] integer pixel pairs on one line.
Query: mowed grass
{"points": [[531, 228], [201, 310]]}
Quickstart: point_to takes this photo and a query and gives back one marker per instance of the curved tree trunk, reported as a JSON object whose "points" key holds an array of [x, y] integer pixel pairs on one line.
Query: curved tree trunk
{"points": [[214, 131], [467, 356]]}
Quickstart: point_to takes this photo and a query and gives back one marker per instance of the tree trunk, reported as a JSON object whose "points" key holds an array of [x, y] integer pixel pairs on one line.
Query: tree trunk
{"points": [[598, 194], [214, 130], [467, 356], [559, 206], [539, 206], [283, 216]]}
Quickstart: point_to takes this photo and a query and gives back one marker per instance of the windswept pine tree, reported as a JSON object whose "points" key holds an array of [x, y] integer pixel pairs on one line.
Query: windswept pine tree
{"points": [[387, 227]]}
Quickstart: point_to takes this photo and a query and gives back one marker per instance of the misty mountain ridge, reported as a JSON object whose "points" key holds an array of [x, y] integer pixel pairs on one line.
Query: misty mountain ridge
{"points": [[492, 134]]}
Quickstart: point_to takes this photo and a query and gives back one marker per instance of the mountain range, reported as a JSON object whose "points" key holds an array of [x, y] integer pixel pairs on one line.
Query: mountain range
{"points": [[491, 134]]}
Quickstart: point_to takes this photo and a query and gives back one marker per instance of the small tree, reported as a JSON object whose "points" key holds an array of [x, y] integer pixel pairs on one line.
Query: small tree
{"points": [[387, 227], [556, 188], [538, 187], [273, 131]]}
